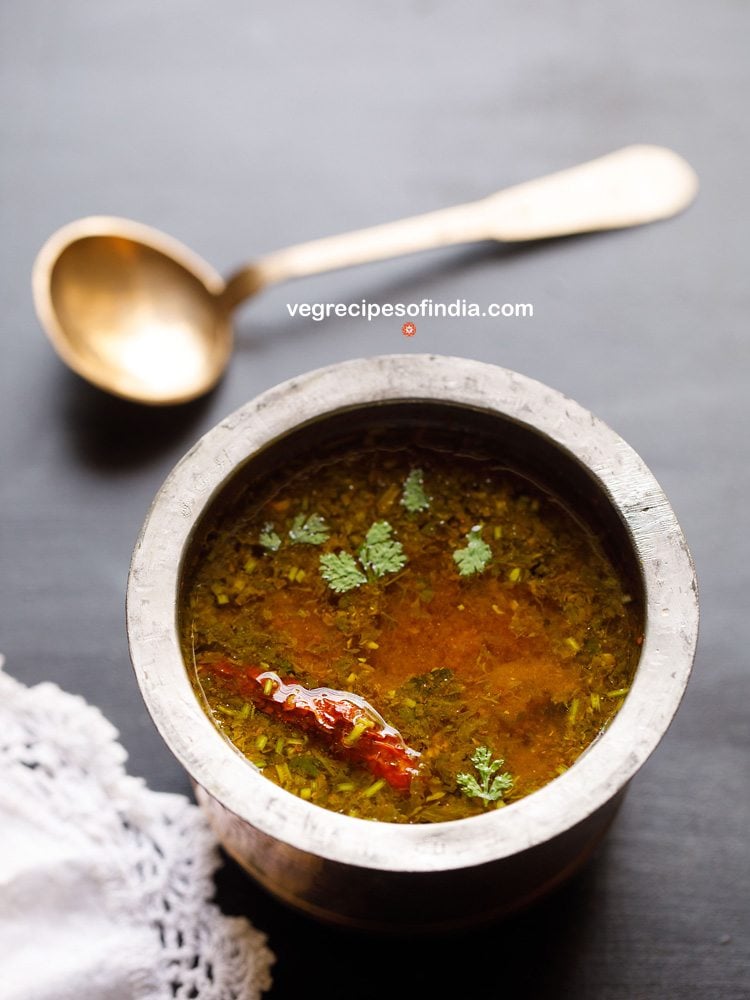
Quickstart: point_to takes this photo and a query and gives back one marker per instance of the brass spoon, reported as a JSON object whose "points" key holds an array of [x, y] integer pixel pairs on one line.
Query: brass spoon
{"points": [[141, 316]]}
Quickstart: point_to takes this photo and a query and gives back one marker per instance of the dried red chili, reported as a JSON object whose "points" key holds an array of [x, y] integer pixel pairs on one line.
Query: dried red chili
{"points": [[348, 723]]}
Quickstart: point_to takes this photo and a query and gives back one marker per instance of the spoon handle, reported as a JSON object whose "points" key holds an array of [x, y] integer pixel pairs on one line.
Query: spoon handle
{"points": [[632, 186]]}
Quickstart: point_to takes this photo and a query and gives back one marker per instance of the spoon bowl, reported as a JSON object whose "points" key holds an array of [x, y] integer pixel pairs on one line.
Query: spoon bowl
{"points": [[141, 316], [132, 310]]}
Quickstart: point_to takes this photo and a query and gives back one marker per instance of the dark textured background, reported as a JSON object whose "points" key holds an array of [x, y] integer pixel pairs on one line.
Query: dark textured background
{"points": [[242, 127]]}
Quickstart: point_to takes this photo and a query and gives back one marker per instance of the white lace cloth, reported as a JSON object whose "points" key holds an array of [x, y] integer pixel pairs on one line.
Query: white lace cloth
{"points": [[104, 884]]}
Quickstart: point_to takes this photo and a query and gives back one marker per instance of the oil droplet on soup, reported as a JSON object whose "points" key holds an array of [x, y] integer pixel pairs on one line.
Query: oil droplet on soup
{"points": [[407, 635]]}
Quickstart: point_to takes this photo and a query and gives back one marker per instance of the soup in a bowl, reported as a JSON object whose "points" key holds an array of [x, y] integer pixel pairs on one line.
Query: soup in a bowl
{"points": [[411, 589], [398, 631]]}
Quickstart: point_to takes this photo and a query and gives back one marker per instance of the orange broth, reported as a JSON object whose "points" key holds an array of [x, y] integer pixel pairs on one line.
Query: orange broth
{"points": [[530, 656]]}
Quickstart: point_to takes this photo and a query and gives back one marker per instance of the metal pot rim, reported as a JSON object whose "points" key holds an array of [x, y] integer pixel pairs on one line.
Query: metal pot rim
{"points": [[671, 613]]}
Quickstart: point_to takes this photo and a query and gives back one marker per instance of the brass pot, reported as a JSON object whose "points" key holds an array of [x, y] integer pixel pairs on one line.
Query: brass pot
{"points": [[377, 875]]}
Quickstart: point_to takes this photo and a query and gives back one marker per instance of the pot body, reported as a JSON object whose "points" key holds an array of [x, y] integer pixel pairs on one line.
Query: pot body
{"points": [[382, 875], [406, 901]]}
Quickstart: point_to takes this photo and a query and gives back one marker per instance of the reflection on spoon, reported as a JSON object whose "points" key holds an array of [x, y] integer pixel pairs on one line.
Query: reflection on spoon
{"points": [[141, 316]]}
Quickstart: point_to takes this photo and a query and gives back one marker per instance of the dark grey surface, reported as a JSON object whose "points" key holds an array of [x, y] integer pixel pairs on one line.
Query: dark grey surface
{"points": [[240, 128]]}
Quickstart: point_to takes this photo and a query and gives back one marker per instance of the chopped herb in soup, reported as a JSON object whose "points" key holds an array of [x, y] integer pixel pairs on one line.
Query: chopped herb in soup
{"points": [[407, 635]]}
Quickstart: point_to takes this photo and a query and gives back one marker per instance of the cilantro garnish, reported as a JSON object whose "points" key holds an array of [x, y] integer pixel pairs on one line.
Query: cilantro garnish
{"points": [[476, 556], [341, 572], [491, 788], [413, 496], [268, 538], [310, 531], [379, 553]]}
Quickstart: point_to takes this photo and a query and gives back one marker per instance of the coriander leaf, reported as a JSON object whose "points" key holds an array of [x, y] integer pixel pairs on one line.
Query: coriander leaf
{"points": [[379, 553], [341, 572], [476, 556], [269, 539], [312, 531], [413, 496], [491, 788], [469, 785], [501, 784], [379, 531]]}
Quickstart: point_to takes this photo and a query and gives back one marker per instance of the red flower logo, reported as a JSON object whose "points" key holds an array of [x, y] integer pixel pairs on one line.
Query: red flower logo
{"points": [[409, 329]]}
